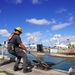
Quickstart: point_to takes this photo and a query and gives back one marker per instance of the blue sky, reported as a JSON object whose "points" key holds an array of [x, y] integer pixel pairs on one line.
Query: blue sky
{"points": [[42, 21]]}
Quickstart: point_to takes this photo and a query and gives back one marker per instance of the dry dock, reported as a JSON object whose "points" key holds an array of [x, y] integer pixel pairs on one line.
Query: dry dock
{"points": [[9, 68]]}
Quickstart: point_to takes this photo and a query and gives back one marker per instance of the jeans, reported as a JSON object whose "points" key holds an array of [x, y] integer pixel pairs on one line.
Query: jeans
{"points": [[19, 53]]}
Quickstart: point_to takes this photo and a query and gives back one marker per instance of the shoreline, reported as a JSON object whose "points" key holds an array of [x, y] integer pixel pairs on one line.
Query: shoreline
{"points": [[63, 55], [9, 68]]}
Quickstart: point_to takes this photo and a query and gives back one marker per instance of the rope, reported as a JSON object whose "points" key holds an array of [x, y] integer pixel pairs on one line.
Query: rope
{"points": [[44, 64]]}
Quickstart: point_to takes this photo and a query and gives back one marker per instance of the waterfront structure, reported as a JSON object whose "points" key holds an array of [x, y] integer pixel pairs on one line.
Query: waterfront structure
{"points": [[31, 46], [61, 45], [5, 43]]}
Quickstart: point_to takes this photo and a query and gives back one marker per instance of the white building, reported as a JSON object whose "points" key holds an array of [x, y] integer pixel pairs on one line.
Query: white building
{"points": [[31, 46], [5, 43], [72, 43], [63, 46]]}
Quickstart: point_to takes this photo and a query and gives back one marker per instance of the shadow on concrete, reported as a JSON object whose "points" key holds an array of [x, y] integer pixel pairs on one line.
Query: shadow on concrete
{"points": [[5, 62]]}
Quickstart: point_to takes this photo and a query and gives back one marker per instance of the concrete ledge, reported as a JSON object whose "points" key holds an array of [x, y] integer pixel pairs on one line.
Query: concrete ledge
{"points": [[2, 74], [63, 55], [9, 68]]}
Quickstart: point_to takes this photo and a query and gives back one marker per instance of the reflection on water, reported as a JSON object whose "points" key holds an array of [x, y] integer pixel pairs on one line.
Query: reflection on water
{"points": [[61, 63], [65, 65]]}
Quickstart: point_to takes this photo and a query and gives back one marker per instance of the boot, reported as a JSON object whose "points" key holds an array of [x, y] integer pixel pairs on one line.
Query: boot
{"points": [[15, 68], [26, 70], [31, 66]]}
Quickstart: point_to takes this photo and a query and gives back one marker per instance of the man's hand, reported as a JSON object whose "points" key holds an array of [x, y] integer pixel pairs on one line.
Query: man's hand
{"points": [[28, 51]]}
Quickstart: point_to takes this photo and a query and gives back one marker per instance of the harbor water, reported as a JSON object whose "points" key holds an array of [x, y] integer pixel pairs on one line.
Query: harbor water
{"points": [[61, 63]]}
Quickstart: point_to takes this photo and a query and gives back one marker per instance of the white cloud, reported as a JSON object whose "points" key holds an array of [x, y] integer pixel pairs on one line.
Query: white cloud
{"points": [[33, 37], [45, 41], [38, 1], [62, 38], [55, 38], [71, 38], [37, 34], [15, 1], [35, 1], [71, 18], [33, 34], [40, 21], [28, 34], [4, 32], [58, 38], [61, 10], [53, 21], [60, 26]]}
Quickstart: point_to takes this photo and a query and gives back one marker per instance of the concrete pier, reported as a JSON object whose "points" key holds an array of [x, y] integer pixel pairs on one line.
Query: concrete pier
{"points": [[63, 55], [9, 68]]}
